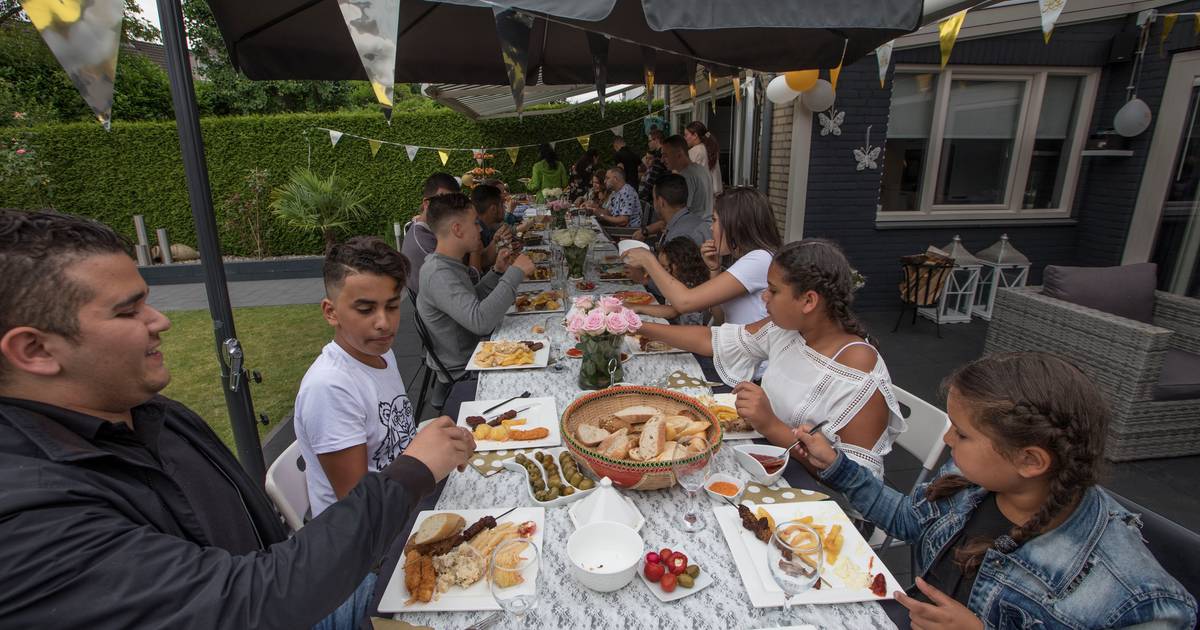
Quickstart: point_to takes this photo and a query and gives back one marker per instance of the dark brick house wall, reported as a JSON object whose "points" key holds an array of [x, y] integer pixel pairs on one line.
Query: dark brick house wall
{"points": [[841, 202]]}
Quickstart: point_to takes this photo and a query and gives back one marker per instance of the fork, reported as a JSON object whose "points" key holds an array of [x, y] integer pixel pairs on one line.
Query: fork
{"points": [[486, 622]]}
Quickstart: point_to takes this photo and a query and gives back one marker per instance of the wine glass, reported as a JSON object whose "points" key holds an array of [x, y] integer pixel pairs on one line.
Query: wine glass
{"points": [[692, 474], [795, 557], [514, 574]]}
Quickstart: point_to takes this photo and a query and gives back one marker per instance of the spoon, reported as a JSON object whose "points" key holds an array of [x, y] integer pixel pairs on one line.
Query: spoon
{"points": [[495, 407]]}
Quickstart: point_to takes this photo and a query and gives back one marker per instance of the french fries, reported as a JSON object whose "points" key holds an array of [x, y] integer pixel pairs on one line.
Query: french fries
{"points": [[832, 539], [503, 354]]}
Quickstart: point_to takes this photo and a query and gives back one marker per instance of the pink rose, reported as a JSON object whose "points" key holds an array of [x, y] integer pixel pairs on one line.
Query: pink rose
{"points": [[611, 304], [593, 324], [632, 322], [574, 324], [616, 324], [584, 303]]}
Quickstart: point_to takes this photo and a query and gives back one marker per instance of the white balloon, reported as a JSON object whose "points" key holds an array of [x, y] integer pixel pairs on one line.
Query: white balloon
{"points": [[819, 97], [778, 91], [1133, 118]]}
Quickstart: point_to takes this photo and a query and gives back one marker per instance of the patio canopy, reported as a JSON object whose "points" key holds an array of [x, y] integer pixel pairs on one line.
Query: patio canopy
{"points": [[455, 41]]}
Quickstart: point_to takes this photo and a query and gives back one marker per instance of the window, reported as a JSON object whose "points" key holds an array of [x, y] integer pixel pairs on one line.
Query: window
{"points": [[984, 143]]}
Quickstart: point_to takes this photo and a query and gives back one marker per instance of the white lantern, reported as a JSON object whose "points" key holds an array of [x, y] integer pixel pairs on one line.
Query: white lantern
{"points": [[1003, 267], [958, 291]]}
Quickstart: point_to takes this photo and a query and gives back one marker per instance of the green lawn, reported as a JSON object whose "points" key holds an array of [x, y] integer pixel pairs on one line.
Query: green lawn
{"points": [[279, 341]]}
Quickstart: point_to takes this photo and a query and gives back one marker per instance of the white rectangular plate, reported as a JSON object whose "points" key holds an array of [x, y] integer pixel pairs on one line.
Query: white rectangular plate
{"points": [[730, 400], [479, 595], [540, 359], [512, 310], [543, 413], [750, 556]]}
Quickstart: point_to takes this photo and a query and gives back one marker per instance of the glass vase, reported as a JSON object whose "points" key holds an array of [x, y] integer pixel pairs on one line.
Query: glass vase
{"points": [[600, 354], [577, 258]]}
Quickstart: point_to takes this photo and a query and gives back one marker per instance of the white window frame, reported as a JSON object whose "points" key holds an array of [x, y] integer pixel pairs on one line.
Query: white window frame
{"points": [[1018, 176]]}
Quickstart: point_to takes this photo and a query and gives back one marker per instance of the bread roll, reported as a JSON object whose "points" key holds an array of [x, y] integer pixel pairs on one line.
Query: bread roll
{"points": [[608, 442], [675, 426], [637, 413], [438, 527], [613, 424], [654, 437], [619, 449], [670, 452], [695, 428], [590, 435], [635, 454]]}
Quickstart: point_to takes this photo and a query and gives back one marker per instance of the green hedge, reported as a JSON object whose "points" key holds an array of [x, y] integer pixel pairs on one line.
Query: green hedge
{"points": [[136, 168]]}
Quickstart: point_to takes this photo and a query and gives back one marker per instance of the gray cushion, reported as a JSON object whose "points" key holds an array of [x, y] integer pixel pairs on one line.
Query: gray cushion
{"points": [[1125, 291], [1180, 377]]}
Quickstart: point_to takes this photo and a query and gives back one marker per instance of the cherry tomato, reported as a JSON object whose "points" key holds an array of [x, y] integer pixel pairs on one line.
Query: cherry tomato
{"points": [[656, 572], [678, 563], [652, 558], [668, 582], [664, 554]]}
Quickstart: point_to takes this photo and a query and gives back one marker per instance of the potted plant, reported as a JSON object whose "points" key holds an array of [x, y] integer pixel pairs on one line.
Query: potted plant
{"points": [[313, 203], [599, 326]]}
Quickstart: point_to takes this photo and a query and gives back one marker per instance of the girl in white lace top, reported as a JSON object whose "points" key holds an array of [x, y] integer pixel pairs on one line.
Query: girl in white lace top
{"points": [[819, 366]]}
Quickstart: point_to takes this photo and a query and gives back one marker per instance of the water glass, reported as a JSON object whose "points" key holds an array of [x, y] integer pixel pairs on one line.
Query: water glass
{"points": [[692, 474], [795, 557], [514, 575], [556, 341]]}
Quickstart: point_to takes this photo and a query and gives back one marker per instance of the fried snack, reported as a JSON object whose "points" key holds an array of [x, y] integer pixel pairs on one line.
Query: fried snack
{"points": [[536, 433], [502, 353], [420, 578], [412, 571], [509, 559], [482, 432], [763, 513], [513, 422]]}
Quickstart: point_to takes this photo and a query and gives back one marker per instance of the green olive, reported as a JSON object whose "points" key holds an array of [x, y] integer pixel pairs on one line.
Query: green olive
{"points": [[686, 581], [553, 492], [568, 491], [586, 484], [693, 571]]}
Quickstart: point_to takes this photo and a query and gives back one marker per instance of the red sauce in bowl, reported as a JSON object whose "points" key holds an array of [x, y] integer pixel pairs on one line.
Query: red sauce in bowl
{"points": [[770, 463]]}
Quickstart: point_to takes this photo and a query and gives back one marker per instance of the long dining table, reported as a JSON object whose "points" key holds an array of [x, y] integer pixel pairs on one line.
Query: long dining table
{"points": [[563, 602]]}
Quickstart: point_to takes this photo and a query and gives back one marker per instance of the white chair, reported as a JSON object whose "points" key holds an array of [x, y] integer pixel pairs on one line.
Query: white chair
{"points": [[923, 440], [287, 487]]}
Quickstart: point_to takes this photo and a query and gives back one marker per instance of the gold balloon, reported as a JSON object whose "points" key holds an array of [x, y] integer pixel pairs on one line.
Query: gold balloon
{"points": [[802, 80]]}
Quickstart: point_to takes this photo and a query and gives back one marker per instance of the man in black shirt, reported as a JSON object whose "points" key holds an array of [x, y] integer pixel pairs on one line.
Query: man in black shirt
{"points": [[120, 508], [628, 161]]}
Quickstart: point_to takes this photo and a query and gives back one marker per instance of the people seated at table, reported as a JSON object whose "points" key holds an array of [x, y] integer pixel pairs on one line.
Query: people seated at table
{"points": [[352, 414], [1014, 532], [703, 149], [581, 174], [699, 182], [456, 310], [493, 230], [548, 172], [819, 366], [627, 160], [681, 258], [623, 208], [597, 195], [419, 241], [120, 508], [655, 167], [674, 217], [745, 233]]}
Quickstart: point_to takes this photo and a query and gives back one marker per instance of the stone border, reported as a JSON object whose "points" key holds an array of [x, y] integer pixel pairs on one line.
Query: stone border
{"points": [[278, 269]]}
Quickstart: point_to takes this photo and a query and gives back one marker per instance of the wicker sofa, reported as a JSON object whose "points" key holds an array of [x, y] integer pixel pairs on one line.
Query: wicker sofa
{"points": [[1124, 356]]}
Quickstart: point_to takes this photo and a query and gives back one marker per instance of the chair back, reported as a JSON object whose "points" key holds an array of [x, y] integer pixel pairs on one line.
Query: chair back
{"points": [[287, 486], [922, 279], [926, 426], [1175, 547]]}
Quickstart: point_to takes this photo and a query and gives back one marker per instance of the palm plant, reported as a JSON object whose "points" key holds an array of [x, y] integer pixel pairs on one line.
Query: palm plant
{"points": [[313, 203]]}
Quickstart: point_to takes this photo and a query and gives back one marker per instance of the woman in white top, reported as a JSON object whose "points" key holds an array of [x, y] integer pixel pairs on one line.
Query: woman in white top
{"points": [[819, 366], [705, 151], [745, 233]]}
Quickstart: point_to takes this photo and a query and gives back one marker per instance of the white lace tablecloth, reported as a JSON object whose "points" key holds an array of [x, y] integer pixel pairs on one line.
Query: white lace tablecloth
{"points": [[563, 602]]}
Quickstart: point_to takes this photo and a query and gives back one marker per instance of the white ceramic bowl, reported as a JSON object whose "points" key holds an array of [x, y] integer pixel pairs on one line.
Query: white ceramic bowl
{"points": [[604, 556], [756, 470], [720, 498]]}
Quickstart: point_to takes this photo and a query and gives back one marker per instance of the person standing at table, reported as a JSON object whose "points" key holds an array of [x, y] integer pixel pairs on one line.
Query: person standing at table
{"points": [[549, 172], [704, 150], [419, 241], [819, 365], [120, 508], [699, 182], [457, 310], [744, 232], [628, 160], [623, 208]]}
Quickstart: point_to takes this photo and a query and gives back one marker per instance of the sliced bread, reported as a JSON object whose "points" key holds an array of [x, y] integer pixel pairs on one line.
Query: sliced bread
{"points": [[695, 428], [439, 527], [637, 413], [654, 437], [676, 425], [608, 442], [590, 435], [671, 452]]}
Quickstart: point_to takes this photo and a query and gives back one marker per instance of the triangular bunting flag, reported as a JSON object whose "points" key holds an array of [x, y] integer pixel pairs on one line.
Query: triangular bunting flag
{"points": [[411, 151], [513, 152], [584, 141], [375, 144], [948, 33], [619, 130], [834, 73], [712, 89], [690, 68], [334, 136], [649, 64], [374, 25], [514, 28], [1169, 20], [84, 37], [883, 55], [444, 156], [1050, 9], [737, 88], [554, 144], [598, 46]]}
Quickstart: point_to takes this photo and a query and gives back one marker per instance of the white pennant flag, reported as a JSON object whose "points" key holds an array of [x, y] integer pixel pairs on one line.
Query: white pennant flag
{"points": [[374, 26], [334, 136], [884, 55], [1050, 10], [554, 144], [618, 130], [411, 151]]}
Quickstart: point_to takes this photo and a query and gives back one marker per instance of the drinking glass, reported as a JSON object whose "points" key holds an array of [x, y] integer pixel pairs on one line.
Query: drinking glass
{"points": [[795, 557], [692, 475], [556, 340], [514, 575]]}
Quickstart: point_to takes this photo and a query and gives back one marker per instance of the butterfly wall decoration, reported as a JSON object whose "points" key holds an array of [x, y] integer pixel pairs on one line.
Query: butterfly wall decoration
{"points": [[831, 122], [867, 156]]}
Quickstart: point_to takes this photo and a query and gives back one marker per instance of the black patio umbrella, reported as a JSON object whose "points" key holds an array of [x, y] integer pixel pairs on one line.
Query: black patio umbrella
{"points": [[455, 41]]}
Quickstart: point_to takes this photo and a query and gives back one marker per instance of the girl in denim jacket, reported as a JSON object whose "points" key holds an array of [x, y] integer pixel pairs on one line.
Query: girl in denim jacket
{"points": [[1014, 533]]}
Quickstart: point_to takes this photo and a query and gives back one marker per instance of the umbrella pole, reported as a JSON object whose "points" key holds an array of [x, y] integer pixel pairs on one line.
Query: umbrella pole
{"points": [[191, 145]]}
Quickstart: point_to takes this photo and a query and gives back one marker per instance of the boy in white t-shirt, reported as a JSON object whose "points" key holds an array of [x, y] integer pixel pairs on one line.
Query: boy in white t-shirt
{"points": [[352, 413]]}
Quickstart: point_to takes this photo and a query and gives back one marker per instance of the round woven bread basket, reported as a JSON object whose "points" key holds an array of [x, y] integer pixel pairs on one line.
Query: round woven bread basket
{"points": [[627, 473]]}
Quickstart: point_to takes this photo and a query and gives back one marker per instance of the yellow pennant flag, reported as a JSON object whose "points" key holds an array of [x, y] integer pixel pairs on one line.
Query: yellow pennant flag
{"points": [[1169, 20], [948, 33], [584, 141], [833, 75], [444, 155], [737, 89], [512, 153], [375, 144]]}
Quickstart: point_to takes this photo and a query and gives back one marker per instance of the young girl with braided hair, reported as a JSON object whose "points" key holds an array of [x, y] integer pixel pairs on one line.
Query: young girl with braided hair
{"points": [[1014, 532], [819, 364]]}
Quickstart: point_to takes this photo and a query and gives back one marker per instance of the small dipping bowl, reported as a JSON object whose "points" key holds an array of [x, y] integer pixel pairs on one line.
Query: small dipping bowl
{"points": [[724, 478], [757, 472], [604, 555]]}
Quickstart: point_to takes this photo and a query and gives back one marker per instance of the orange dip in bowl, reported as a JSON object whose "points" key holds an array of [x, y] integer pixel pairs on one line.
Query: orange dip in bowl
{"points": [[725, 488]]}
